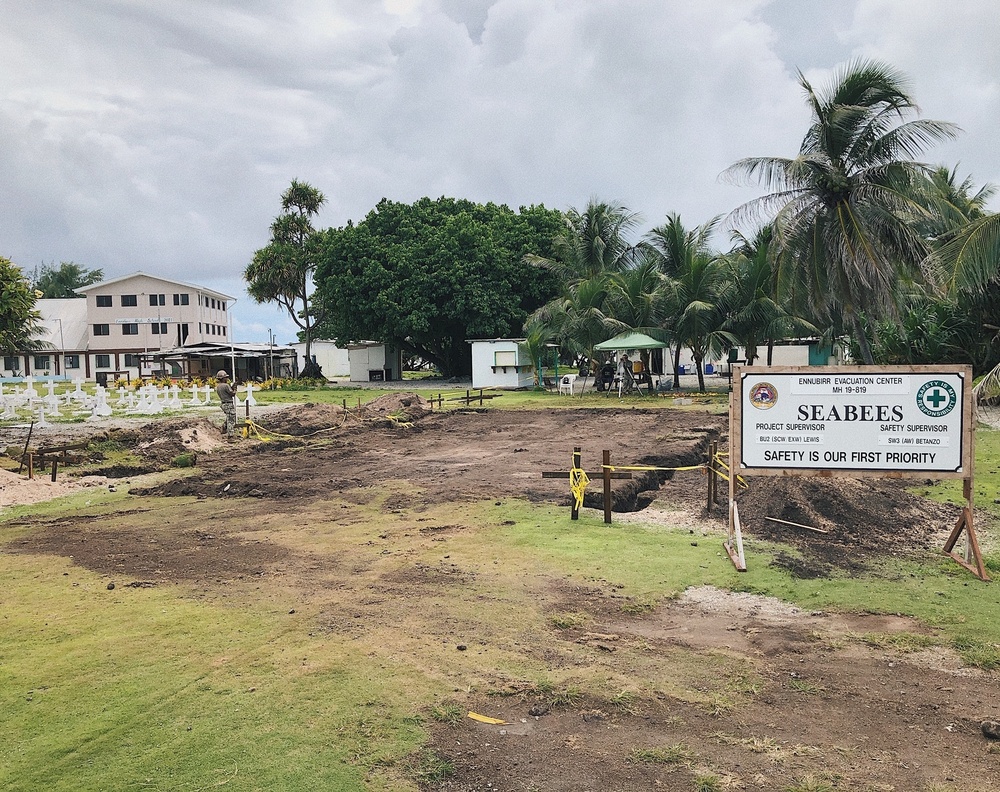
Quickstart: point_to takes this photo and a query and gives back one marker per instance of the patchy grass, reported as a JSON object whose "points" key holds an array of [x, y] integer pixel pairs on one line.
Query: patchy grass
{"points": [[447, 713], [810, 783], [803, 686], [676, 754], [195, 685], [904, 642]]}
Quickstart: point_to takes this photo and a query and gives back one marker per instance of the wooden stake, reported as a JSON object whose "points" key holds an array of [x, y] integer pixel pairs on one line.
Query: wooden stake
{"points": [[27, 442], [574, 511], [55, 466], [713, 449], [606, 475], [797, 525]]}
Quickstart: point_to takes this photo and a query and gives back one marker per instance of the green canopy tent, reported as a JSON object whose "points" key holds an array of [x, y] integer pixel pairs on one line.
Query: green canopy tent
{"points": [[629, 340]]}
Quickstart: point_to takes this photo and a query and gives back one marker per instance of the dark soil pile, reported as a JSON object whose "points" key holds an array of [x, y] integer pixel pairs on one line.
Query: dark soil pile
{"points": [[861, 518], [312, 419], [304, 419], [403, 406]]}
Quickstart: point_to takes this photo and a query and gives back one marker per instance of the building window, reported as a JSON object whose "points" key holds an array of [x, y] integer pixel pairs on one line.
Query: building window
{"points": [[158, 328], [223, 328], [507, 357], [102, 329], [103, 361], [130, 329], [182, 334], [103, 300], [12, 363], [182, 299], [72, 361], [129, 301], [131, 361], [157, 299], [41, 362], [222, 305]]}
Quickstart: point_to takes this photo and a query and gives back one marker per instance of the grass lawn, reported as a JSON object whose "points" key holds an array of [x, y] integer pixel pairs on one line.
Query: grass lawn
{"points": [[291, 682]]}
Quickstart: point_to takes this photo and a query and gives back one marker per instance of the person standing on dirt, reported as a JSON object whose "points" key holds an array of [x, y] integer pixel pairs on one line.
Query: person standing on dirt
{"points": [[226, 396]]}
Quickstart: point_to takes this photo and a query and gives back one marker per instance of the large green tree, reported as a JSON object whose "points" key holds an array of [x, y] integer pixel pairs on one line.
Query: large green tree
{"points": [[63, 281], [18, 317], [428, 276], [282, 272], [844, 208]]}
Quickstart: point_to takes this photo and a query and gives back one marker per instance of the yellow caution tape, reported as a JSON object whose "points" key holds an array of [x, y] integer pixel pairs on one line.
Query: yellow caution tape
{"points": [[649, 467], [578, 481], [486, 719]]}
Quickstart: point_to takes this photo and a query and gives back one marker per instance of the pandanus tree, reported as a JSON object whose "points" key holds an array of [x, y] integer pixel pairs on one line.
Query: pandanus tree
{"points": [[843, 210], [282, 271]]}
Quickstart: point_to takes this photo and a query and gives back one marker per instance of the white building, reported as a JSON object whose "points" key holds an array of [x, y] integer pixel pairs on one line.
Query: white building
{"points": [[127, 321], [374, 362], [334, 361], [501, 363]]}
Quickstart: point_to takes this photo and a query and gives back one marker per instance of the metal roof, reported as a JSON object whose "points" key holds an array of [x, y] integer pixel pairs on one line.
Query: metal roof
{"points": [[140, 273], [64, 323]]}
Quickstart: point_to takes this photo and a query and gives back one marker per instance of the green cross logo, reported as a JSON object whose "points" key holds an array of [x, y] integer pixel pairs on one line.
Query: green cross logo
{"points": [[936, 398]]}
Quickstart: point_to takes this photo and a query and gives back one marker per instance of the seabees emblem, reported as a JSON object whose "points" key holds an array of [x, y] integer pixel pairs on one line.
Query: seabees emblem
{"points": [[763, 395]]}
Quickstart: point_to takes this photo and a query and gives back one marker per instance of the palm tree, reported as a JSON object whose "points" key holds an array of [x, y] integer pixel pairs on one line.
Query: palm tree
{"points": [[282, 271], [756, 314], [682, 255], [638, 300], [952, 204], [843, 209], [593, 246], [594, 243]]}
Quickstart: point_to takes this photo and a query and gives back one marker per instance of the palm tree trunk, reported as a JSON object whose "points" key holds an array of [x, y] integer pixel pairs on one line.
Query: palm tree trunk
{"points": [[862, 339], [701, 375], [677, 366]]}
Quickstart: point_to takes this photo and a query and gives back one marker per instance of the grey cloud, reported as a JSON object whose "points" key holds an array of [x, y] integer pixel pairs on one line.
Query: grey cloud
{"points": [[155, 135]]}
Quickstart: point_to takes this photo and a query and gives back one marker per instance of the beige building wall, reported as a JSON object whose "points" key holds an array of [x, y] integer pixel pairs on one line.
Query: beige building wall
{"points": [[142, 313]]}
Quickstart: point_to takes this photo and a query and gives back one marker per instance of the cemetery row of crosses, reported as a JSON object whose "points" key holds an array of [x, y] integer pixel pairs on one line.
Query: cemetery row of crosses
{"points": [[22, 401]]}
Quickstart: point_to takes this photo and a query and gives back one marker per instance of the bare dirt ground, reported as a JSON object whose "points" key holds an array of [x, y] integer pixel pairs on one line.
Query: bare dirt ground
{"points": [[817, 706]]}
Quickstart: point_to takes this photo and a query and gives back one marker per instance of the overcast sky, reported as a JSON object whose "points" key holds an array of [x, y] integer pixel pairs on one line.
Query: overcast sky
{"points": [[158, 135]]}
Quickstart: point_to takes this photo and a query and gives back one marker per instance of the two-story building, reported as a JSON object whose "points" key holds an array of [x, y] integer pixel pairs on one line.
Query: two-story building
{"points": [[127, 322]]}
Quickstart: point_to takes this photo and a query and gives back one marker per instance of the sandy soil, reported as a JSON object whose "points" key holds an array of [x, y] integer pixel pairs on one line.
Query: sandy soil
{"points": [[825, 705]]}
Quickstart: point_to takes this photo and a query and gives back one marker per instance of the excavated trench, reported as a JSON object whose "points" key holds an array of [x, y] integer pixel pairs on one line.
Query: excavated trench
{"points": [[636, 494]]}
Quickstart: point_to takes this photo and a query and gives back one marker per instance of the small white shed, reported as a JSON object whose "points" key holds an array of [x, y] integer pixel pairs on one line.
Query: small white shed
{"points": [[334, 361], [501, 363], [374, 362]]}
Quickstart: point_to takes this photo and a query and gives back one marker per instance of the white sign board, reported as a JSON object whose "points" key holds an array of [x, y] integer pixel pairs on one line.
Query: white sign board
{"points": [[889, 420]]}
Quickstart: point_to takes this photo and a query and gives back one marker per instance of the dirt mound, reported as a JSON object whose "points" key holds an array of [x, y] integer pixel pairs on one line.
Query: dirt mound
{"points": [[160, 442], [305, 419], [404, 406], [861, 517]]}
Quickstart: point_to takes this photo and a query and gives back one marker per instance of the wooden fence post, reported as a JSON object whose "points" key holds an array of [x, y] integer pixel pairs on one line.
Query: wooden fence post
{"points": [[607, 486], [575, 512]]}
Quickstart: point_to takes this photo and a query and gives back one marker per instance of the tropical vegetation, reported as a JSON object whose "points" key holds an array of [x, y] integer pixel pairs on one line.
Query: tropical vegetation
{"points": [[855, 242], [282, 271]]}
